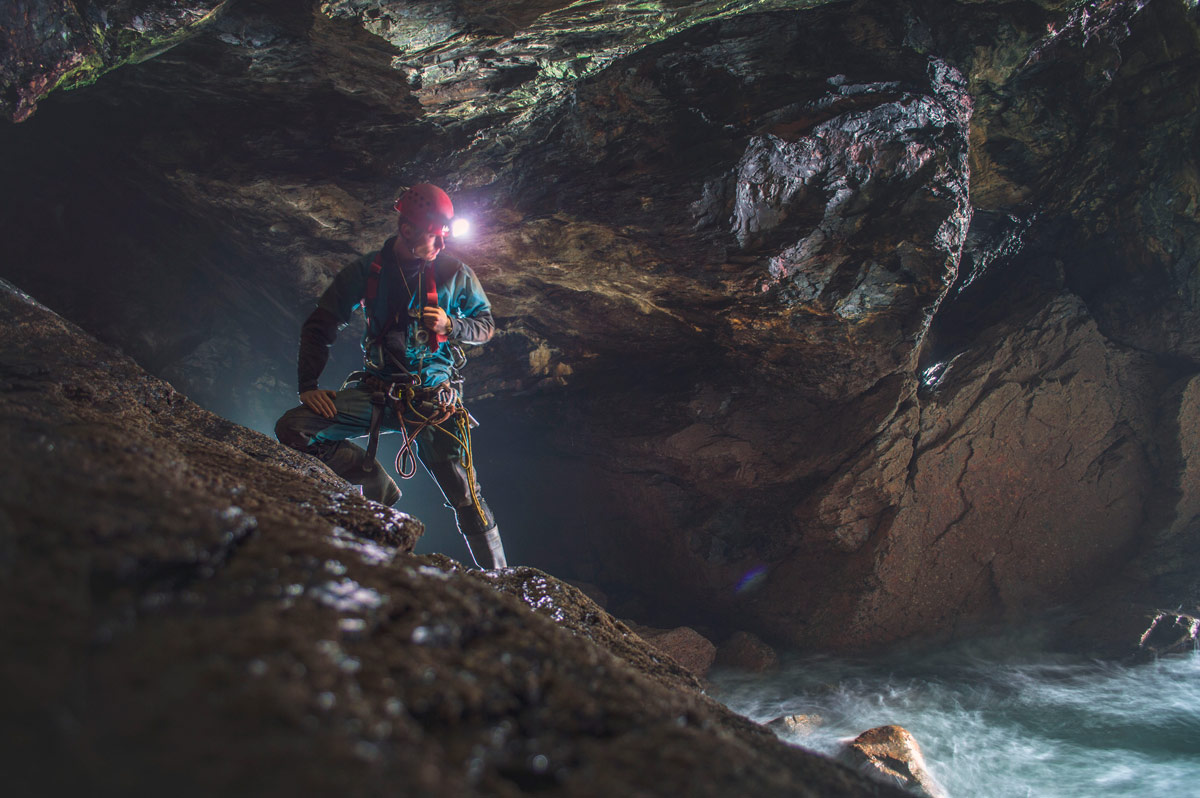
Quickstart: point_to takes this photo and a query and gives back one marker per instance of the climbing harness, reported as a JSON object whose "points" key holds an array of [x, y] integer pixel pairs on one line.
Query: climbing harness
{"points": [[417, 408]]}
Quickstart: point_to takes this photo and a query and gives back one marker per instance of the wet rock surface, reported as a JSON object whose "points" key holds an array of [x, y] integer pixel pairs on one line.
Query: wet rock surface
{"points": [[187, 606], [800, 725], [841, 323], [891, 753]]}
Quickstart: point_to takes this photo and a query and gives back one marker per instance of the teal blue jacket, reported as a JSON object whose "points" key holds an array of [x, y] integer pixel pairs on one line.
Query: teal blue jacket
{"points": [[389, 348]]}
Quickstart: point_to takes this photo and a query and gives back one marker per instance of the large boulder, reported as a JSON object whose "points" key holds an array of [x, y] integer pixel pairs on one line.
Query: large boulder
{"points": [[891, 754], [747, 652], [1023, 481], [187, 606]]}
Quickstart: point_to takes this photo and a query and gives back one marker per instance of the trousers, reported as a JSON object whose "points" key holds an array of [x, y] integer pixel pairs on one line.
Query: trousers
{"points": [[436, 447]]}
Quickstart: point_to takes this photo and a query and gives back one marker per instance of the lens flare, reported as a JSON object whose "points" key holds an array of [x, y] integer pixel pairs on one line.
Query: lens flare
{"points": [[460, 228], [751, 579]]}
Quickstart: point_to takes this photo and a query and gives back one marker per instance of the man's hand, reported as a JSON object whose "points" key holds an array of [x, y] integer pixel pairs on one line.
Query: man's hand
{"points": [[320, 402], [435, 319]]}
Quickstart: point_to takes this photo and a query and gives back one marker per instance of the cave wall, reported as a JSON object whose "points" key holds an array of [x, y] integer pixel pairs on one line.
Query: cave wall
{"points": [[842, 322]]}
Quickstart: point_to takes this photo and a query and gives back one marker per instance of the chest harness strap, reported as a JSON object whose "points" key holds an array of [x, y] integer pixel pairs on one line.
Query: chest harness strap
{"points": [[422, 408], [432, 407]]}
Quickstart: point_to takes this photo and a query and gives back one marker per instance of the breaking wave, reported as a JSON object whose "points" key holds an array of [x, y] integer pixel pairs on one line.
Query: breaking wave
{"points": [[998, 724]]}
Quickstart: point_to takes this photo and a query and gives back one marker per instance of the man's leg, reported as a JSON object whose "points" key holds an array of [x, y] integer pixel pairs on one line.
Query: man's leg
{"points": [[445, 460], [325, 438]]}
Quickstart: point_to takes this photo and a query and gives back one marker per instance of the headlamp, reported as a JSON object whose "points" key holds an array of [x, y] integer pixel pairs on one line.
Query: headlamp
{"points": [[460, 228], [432, 227]]}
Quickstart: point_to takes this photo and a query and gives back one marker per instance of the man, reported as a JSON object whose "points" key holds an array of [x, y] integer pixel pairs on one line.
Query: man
{"points": [[420, 305]]}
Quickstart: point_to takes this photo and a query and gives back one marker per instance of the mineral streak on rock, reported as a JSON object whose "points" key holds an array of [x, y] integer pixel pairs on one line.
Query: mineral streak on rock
{"points": [[187, 606]]}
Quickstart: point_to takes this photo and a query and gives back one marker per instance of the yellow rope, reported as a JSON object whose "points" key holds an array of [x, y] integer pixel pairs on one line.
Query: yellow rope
{"points": [[464, 442]]}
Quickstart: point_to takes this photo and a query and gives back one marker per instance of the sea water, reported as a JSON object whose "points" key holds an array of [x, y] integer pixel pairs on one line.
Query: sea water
{"points": [[995, 723]]}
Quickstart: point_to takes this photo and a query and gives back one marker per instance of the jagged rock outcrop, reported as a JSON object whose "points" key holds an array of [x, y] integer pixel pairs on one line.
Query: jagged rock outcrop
{"points": [[839, 323], [59, 44], [187, 606], [820, 219]]}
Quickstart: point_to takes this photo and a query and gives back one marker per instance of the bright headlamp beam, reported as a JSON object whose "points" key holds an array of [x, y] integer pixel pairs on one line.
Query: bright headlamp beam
{"points": [[460, 228]]}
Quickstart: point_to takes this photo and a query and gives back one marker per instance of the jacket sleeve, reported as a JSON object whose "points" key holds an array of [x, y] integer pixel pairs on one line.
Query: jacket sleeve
{"points": [[473, 324], [321, 327], [316, 336]]}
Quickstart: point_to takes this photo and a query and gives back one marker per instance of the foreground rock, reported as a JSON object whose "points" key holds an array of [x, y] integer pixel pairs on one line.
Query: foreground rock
{"points": [[186, 606], [890, 753]]}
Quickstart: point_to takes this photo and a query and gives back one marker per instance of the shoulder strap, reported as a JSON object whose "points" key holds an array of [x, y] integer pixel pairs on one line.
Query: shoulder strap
{"points": [[373, 279], [431, 300], [372, 290]]}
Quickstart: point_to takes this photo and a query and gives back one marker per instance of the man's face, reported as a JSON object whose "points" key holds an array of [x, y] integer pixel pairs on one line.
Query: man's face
{"points": [[424, 245]]}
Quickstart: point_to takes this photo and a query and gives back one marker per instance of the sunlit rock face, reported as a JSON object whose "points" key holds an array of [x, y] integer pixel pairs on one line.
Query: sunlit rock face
{"points": [[188, 606], [841, 323]]}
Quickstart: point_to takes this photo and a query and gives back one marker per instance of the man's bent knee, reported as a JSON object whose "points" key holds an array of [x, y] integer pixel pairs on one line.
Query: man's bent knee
{"points": [[347, 459], [294, 428]]}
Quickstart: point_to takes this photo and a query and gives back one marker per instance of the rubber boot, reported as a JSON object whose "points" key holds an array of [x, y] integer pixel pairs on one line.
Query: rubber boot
{"points": [[487, 550]]}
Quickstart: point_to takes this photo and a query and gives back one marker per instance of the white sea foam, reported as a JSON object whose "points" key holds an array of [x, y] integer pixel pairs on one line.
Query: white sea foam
{"points": [[998, 725]]}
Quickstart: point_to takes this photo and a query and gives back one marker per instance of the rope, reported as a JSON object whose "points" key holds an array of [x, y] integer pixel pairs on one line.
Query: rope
{"points": [[406, 461], [406, 458]]}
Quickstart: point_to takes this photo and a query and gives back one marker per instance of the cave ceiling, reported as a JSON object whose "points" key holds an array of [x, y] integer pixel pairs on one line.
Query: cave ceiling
{"points": [[724, 242]]}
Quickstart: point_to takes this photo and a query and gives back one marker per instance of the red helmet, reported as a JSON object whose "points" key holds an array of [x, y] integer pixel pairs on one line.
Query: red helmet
{"points": [[426, 207]]}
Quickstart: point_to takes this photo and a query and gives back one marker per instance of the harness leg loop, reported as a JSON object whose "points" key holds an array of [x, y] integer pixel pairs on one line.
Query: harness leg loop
{"points": [[378, 403]]}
